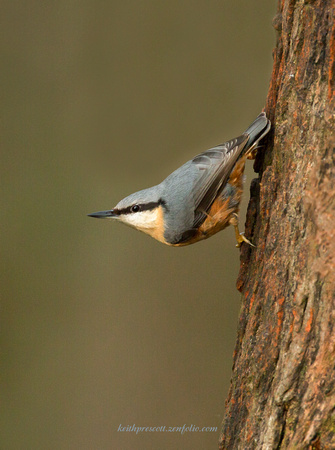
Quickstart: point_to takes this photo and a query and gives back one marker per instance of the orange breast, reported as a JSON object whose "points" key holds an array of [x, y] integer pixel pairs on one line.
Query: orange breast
{"points": [[220, 213]]}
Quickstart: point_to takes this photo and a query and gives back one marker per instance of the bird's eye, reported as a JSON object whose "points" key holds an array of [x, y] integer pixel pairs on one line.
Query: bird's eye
{"points": [[135, 208]]}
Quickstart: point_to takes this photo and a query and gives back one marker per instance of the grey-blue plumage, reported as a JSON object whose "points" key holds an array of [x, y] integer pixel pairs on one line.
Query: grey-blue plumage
{"points": [[176, 210]]}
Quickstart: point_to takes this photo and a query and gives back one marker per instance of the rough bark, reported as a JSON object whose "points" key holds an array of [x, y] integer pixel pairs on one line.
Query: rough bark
{"points": [[282, 391]]}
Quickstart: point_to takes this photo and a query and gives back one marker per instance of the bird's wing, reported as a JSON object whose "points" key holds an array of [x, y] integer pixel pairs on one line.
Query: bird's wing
{"points": [[215, 166]]}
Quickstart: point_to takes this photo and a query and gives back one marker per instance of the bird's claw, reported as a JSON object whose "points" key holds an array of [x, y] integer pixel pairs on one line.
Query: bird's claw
{"points": [[241, 238]]}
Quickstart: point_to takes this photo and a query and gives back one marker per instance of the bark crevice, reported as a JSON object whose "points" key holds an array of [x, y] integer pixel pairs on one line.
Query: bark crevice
{"points": [[282, 391]]}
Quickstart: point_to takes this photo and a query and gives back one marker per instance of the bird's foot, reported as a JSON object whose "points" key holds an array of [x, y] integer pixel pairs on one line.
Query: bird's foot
{"points": [[240, 238]]}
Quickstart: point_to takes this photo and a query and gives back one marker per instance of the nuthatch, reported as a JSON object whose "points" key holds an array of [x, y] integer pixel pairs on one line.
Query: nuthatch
{"points": [[197, 200]]}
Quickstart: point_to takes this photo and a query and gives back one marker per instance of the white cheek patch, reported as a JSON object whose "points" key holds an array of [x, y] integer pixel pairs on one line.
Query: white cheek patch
{"points": [[143, 220]]}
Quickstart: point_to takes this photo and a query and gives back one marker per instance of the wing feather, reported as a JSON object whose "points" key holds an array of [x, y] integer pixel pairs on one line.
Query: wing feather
{"points": [[215, 165]]}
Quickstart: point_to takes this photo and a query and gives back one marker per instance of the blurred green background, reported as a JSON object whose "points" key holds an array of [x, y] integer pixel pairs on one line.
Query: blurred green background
{"points": [[102, 325]]}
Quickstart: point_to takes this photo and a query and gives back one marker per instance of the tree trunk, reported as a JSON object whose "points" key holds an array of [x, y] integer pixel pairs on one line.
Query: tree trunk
{"points": [[282, 392]]}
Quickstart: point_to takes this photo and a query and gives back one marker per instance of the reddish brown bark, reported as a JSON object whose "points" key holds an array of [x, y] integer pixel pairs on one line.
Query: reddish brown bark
{"points": [[282, 391]]}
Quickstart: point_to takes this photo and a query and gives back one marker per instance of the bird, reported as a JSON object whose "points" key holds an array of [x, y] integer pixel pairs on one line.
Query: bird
{"points": [[199, 199]]}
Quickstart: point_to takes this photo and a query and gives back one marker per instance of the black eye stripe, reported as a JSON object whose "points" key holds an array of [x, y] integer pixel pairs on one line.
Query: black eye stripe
{"points": [[141, 207]]}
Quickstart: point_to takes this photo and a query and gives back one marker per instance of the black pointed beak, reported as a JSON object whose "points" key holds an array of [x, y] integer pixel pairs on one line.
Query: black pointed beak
{"points": [[103, 214]]}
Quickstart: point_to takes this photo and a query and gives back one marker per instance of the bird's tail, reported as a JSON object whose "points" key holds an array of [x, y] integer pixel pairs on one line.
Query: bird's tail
{"points": [[257, 130]]}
